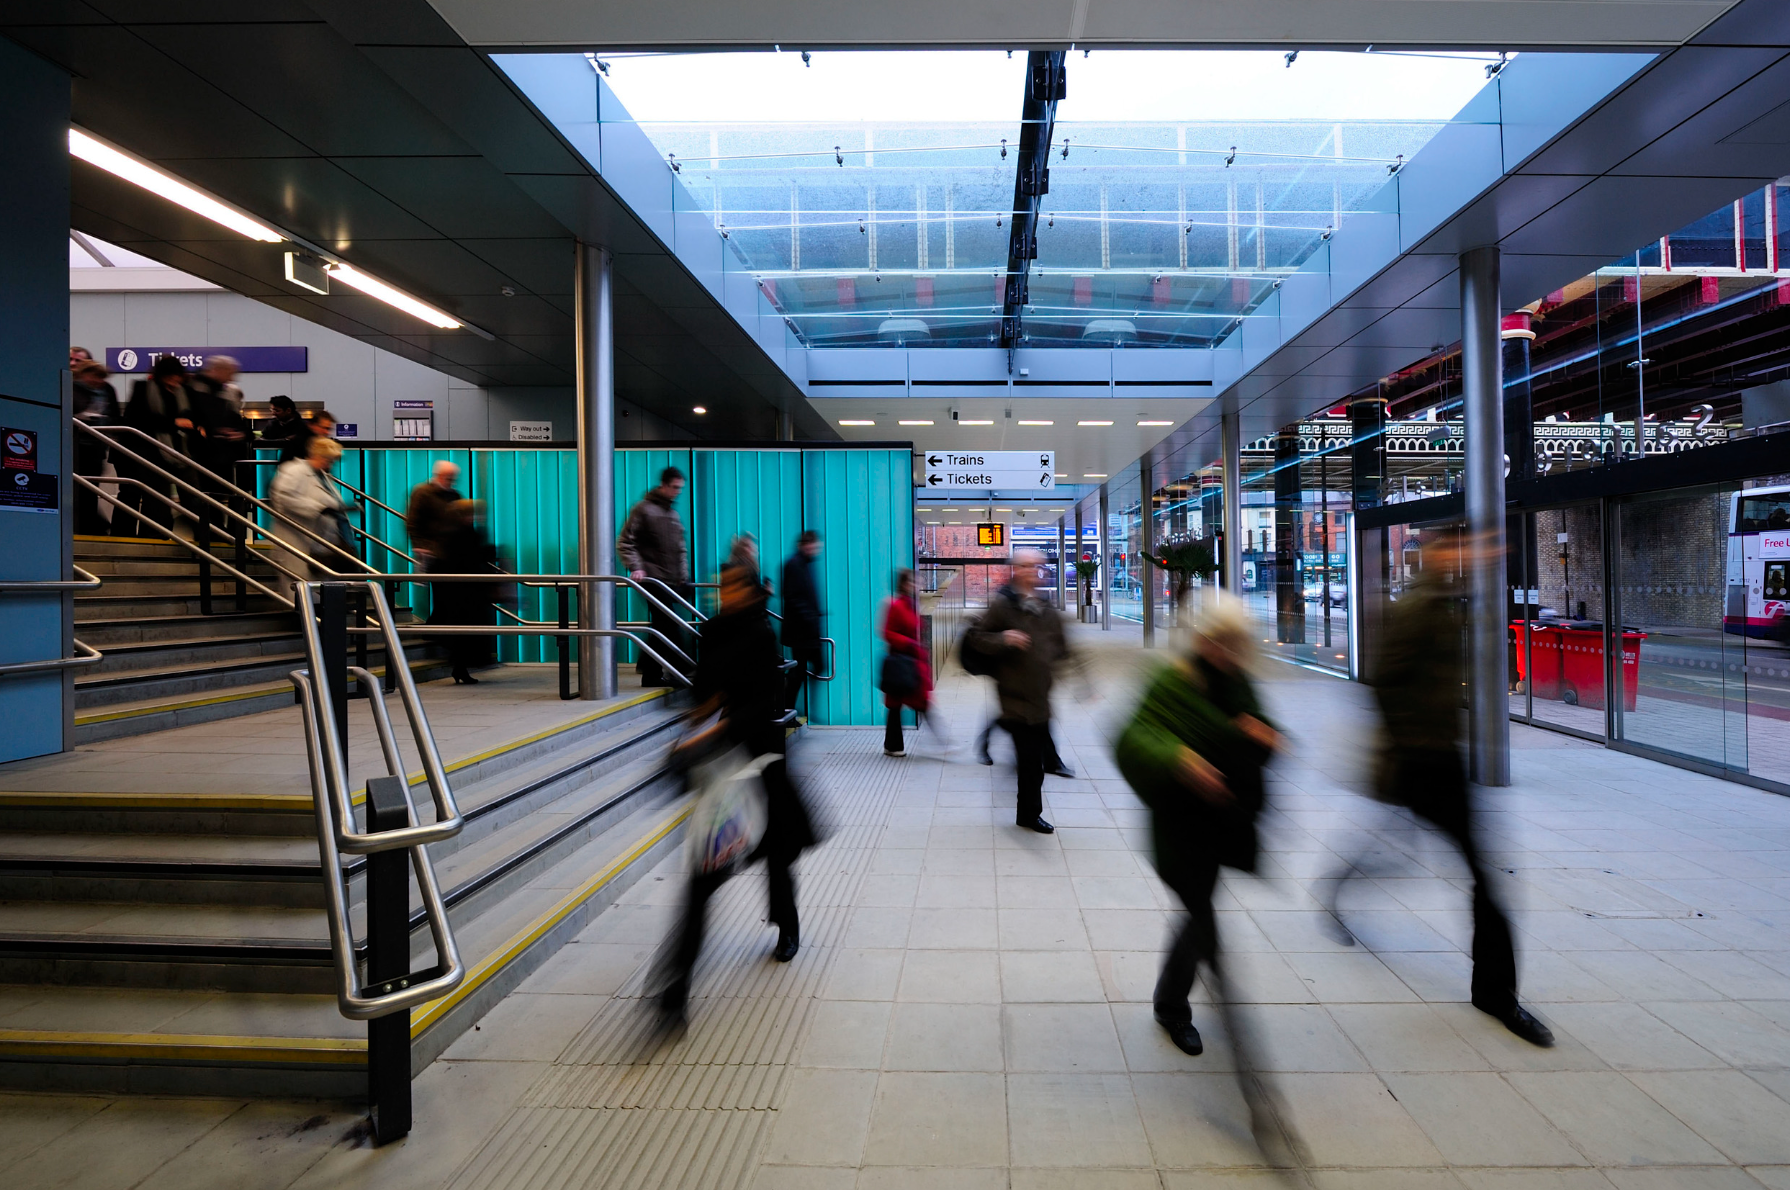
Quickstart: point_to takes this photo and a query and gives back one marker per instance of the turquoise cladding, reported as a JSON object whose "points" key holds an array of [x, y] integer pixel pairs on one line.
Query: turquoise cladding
{"points": [[860, 501]]}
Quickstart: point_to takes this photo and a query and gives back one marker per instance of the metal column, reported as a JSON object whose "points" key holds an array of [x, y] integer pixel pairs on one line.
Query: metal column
{"points": [[1231, 433], [1146, 571], [1081, 614], [1482, 383], [596, 466], [1107, 564]]}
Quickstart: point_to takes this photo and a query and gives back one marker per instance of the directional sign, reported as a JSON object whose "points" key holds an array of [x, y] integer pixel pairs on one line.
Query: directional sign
{"points": [[989, 469]]}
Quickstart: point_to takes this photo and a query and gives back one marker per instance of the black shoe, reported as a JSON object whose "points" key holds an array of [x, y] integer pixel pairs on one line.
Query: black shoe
{"points": [[984, 758], [1523, 1023], [1185, 1037], [673, 1002], [1037, 824], [788, 942], [1062, 770]]}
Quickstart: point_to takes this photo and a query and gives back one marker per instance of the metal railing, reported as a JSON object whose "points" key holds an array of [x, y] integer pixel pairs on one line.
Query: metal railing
{"points": [[336, 833], [85, 654], [371, 538]]}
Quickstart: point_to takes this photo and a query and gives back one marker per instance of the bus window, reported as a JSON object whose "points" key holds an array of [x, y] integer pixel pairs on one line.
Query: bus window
{"points": [[1764, 512], [1776, 585]]}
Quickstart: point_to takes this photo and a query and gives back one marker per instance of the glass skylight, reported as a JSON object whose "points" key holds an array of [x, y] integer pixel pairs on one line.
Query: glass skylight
{"points": [[870, 194]]}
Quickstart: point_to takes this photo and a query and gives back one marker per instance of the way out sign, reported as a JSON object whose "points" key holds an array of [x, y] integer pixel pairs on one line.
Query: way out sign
{"points": [[986, 470]]}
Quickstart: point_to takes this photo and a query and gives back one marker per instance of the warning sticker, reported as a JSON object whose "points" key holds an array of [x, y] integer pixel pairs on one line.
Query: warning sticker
{"points": [[28, 491], [18, 450]]}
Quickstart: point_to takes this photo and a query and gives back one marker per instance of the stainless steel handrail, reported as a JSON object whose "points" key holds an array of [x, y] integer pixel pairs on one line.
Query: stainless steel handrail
{"points": [[544, 580], [86, 655], [105, 434], [659, 582], [499, 630], [86, 582], [352, 999], [381, 542], [447, 814], [175, 538], [832, 658]]}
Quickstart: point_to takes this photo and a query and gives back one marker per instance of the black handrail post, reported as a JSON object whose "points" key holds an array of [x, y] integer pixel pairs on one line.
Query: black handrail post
{"points": [[390, 681], [360, 638], [332, 632], [388, 963], [205, 546], [565, 643]]}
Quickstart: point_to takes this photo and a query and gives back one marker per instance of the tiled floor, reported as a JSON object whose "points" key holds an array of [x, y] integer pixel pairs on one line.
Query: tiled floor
{"points": [[971, 1008]]}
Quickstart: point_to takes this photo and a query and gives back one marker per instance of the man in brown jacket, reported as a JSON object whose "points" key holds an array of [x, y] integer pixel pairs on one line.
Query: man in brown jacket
{"points": [[1023, 638], [652, 545]]}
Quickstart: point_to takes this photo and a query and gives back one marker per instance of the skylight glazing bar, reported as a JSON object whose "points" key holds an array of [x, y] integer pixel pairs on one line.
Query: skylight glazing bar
{"points": [[1045, 85]]}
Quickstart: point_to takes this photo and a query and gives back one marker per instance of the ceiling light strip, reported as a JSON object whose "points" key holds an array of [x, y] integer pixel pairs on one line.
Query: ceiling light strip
{"points": [[119, 164]]}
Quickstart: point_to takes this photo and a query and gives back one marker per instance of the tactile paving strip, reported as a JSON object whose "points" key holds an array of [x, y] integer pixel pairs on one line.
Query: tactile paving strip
{"points": [[625, 1105]]}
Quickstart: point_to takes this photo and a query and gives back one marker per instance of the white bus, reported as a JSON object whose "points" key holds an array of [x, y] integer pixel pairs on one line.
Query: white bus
{"points": [[1758, 563]]}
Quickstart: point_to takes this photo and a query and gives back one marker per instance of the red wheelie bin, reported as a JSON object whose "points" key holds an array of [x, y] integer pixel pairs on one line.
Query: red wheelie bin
{"points": [[1582, 664]]}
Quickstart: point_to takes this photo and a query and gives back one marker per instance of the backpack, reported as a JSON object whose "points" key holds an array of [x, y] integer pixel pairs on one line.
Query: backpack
{"points": [[975, 661]]}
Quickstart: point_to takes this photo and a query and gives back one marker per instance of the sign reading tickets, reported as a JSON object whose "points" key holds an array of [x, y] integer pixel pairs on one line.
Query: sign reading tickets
{"points": [[531, 431], [985, 470], [250, 359]]}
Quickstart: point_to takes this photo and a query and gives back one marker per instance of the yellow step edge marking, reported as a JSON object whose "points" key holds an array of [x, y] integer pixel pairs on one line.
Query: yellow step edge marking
{"points": [[264, 690], [97, 540], [426, 1015], [182, 1047]]}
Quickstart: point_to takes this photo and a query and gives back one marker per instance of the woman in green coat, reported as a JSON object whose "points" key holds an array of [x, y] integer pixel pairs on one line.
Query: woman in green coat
{"points": [[1194, 752]]}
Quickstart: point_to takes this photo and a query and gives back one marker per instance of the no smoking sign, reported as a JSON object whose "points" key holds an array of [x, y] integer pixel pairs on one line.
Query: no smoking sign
{"points": [[18, 449]]}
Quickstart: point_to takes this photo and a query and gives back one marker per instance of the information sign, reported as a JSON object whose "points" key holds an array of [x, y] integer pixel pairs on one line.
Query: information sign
{"points": [[986, 470]]}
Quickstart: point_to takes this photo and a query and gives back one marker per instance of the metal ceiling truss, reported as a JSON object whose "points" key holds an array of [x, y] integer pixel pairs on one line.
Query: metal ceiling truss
{"points": [[1044, 87]]}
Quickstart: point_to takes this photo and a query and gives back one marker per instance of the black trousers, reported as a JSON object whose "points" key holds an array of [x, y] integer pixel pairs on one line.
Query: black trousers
{"points": [[674, 977], [1029, 743], [1437, 791], [651, 673], [1196, 943], [1052, 760], [90, 461], [807, 659]]}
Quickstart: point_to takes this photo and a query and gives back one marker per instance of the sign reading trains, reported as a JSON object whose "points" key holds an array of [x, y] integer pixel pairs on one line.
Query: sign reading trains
{"points": [[986, 470]]}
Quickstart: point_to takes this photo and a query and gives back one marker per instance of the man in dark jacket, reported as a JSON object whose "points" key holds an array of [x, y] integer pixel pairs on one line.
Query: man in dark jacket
{"points": [[801, 615], [429, 517], [652, 545], [1418, 682], [1023, 639], [217, 408], [96, 404], [285, 428]]}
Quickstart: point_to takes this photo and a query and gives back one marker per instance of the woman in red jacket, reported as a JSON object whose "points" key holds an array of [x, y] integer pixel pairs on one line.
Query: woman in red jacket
{"points": [[901, 632]]}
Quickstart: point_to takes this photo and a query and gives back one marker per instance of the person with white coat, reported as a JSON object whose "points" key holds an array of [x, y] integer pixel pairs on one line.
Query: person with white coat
{"points": [[303, 492]]}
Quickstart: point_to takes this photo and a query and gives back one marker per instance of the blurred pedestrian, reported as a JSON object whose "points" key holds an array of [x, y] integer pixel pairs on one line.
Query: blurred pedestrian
{"points": [[308, 499], [1194, 752], [96, 405], [217, 409], [907, 670], [464, 549], [652, 546], [1418, 680], [738, 693], [1021, 638], [426, 517], [802, 615], [161, 408]]}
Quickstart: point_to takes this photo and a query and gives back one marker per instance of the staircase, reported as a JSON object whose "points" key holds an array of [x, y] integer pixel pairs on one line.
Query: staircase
{"points": [[176, 943], [166, 664]]}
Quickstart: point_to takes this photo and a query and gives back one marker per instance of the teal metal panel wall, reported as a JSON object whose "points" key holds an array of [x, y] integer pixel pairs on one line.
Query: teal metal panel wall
{"points": [[861, 501]]}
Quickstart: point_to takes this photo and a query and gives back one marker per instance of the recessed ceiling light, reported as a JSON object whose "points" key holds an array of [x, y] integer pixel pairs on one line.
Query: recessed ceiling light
{"points": [[1093, 423], [1093, 475], [916, 422], [700, 409], [975, 421], [1037, 423], [1155, 423], [1062, 475], [854, 421], [954, 522]]}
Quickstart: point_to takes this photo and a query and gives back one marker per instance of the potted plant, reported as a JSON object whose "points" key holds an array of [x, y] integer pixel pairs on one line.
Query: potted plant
{"points": [[1087, 568], [1183, 560]]}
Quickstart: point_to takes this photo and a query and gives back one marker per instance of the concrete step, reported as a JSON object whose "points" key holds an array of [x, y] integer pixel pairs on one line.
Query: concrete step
{"points": [[195, 654], [150, 587], [244, 915], [145, 714], [183, 680], [131, 630], [116, 607], [108, 569]]}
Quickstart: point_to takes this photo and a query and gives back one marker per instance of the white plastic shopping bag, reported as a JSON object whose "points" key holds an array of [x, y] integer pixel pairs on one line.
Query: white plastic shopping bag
{"points": [[728, 820]]}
